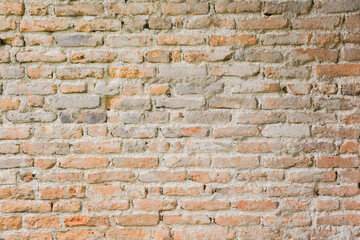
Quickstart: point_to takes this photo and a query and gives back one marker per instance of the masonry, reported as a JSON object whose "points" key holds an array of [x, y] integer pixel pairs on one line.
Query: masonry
{"points": [[179, 119]]}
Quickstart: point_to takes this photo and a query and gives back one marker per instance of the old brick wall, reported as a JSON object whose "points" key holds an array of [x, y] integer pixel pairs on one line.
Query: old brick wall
{"points": [[179, 120]]}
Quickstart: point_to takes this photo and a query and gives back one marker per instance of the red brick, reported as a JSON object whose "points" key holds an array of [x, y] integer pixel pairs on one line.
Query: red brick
{"points": [[124, 233], [108, 205], [154, 204], [338, 70], [263, 23], [257, 205], [292, 221], [65, 192], [42, 222], [85, 220], [10, 223], [137, 219], [234, 220], [210, 205], [352, 21], [180, 40], [338, 191], [340, 220], [316, 23], [237, 7], [101, 177], [327, 205], [80, 234], [207, 177], [135, 162], [349, 147], [48, 25], [79, 9], [184, 8], [31, 207], [72, 206], [233, 40]]}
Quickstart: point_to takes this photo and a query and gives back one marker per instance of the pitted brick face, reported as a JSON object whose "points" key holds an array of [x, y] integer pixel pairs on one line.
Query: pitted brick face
{"points": [[183, 120]]}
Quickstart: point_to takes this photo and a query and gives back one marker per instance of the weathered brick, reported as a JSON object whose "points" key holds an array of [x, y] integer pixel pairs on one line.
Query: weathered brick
{"points": [[131, 72], [9, 104], [11, 8], [8, 163], [48, 25], [210, 205], [36, 116], [12, 72], [33, 207], [38, 9], [10, 193], [233, 40], [39, 40], [314, 23], [286, 131], [39, 72], [63, 102], [210, 22], [333, 161], [72, 206], [159, 23], [32, 88], [10, 223], [128, 233], [286, 103], [235, 70], [132, 8], [338, 70], [308, 55], [158, 56], [101, 177], [263, 23], [184, 8], [182, 71], [286, 39], [180, 40], [300, 7], [194, 219], [93, 57], [238, 131], [340, 191], [45, 148], [233, 102], [127, 103], [86, 220], [213, 55], [78, 40], [237, 7], [259, 147], [78, 9], [163, 176], [129, 41], [289, 191], [79, 234], [338, 7], [208, 177], [257, 205], [287, 162], [286, 72], [256, 87]]}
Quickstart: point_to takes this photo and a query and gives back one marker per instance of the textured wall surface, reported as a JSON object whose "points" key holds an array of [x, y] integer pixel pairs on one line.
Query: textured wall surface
{"points": [[179, 120]]}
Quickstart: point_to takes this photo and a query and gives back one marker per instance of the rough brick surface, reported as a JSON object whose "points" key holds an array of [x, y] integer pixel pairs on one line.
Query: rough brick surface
{"points": [[179, 119]]}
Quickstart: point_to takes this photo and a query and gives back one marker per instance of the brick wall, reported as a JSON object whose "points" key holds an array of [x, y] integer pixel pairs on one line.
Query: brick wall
{"points": [[179, 120]]}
